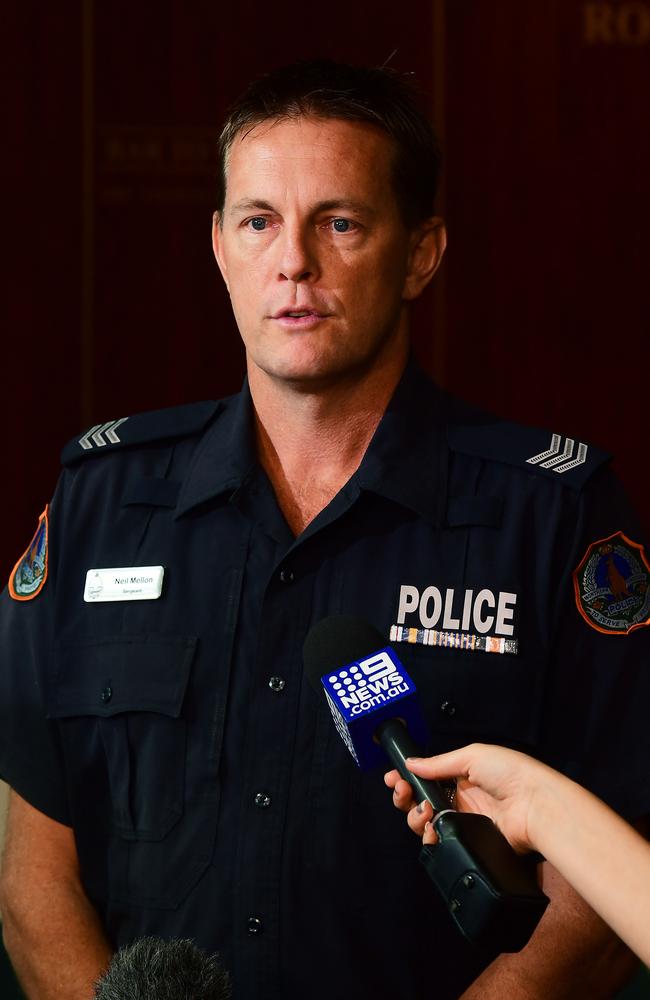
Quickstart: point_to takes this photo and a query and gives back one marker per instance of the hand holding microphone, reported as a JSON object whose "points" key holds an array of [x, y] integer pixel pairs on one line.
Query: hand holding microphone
{"points": [[493, 781], [538, 808], [490, 891]]}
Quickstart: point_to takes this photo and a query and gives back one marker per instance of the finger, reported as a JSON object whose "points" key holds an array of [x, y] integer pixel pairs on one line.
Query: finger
{"points": [[418, 816], [444, 765], [429, 836], [402, 795], [391, 778]]}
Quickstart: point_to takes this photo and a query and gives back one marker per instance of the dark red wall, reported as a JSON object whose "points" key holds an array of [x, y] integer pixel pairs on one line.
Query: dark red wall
{"points": [[113, 303], [548, 179]]}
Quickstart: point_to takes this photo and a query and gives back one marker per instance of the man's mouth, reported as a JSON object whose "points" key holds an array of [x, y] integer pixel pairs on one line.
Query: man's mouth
{"points": [[299, 319], [297, 313]]}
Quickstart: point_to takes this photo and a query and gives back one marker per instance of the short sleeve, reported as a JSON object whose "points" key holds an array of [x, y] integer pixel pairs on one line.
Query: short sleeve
{"points": [[596, 723], [30, 757]]}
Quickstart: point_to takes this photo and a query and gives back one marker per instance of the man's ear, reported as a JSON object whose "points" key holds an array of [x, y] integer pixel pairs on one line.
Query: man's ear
{"points": [[427, 245], [217, 246]]}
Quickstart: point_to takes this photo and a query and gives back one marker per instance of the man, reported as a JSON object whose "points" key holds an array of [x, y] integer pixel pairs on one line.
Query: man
{"points": [[173, 774]]}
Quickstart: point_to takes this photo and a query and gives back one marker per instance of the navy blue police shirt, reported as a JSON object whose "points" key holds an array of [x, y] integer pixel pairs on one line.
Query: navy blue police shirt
{"points": [[209, 792]]}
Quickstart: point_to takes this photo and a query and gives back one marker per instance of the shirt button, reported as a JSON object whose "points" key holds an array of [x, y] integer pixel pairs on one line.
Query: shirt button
{"points": [[448, 708], [254, 925], [106, 695], [262, 800], [286, 575], [277, 684]]}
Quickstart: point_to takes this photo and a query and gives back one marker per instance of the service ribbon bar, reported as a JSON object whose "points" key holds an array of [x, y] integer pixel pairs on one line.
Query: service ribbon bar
{"points": [[454, 640]]}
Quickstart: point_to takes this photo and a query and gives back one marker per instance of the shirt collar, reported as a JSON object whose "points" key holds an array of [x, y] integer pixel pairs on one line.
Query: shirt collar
{"points": [[225, 457], [406, 460]]}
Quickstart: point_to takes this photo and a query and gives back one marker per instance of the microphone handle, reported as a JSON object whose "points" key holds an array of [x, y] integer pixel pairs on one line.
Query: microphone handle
{"points": [[398, 745], [491, 893]]}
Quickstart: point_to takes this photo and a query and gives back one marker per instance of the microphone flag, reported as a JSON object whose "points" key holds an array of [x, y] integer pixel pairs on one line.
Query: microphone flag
{"points": [[366, 692]]}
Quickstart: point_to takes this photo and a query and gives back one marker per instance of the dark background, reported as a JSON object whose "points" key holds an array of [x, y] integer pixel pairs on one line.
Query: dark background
{"points": [[113, 303]]}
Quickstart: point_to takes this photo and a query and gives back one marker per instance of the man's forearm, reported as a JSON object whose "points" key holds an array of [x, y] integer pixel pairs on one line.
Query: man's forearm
{"points": [[55, 941], [572, 955]]}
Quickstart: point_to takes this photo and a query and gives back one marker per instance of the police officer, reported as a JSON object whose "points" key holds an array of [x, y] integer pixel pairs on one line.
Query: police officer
{"points": [[172, 774]]}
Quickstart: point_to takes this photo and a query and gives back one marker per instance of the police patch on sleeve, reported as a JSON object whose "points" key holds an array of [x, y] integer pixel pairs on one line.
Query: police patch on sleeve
{"points": [[30, 572], [612, 585]]}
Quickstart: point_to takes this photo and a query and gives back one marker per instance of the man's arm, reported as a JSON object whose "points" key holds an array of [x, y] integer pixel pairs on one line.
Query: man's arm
{"points": [[572, 955], [51, 930]]}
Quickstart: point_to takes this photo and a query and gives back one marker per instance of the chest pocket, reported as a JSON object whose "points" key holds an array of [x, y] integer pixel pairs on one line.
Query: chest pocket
{"points": [[130, 692], [475, 696], [119, 702]]}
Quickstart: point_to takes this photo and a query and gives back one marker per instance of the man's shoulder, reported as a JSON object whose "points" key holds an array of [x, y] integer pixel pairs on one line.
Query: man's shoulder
{"points": [[562, 458], [142, 429]]}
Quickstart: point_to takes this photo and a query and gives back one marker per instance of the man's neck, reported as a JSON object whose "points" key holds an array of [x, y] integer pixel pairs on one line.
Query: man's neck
{"points": [[311, 441]]}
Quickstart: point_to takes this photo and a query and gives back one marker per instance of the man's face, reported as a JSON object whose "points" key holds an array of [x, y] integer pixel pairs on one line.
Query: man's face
{"points": [[313, 249]]}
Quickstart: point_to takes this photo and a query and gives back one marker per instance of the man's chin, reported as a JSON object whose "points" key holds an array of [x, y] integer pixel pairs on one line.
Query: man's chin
{"points": [[317, 376], [315, 370]]}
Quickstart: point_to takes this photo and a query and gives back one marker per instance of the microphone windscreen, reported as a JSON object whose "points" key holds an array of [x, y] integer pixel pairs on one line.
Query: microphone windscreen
{"points": [[335, 642], [151, 968]]}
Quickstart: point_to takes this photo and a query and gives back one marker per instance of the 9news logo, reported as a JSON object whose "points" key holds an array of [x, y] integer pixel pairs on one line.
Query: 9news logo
{"points": [[366, 693], [367, 684]]}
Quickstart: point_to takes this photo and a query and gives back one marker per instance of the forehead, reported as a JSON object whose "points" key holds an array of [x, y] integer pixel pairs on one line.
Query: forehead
{"points": [[323, 157]]}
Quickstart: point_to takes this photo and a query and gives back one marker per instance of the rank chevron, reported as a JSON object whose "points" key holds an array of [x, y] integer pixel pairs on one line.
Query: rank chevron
{"points": [[559, 458], [101, 434]]}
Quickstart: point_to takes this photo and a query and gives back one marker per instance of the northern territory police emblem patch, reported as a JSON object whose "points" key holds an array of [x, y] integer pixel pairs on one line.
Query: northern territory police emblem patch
{"points": [[612, 585], [30, 572]]}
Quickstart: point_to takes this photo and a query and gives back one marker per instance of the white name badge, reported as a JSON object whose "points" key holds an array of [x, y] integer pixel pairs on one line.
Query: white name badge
{"points": [[124, 583]]}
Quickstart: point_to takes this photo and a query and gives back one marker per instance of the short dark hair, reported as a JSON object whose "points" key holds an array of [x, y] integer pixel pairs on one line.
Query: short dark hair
{"points": [[153, 969], [322, 88]]}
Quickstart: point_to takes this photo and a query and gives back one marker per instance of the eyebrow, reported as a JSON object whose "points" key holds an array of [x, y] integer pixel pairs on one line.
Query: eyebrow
{"points": [[249, 204], [332, 204]]}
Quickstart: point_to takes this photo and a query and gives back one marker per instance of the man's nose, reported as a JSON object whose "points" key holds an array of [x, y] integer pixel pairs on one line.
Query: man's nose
{"points": [[298, 260]]}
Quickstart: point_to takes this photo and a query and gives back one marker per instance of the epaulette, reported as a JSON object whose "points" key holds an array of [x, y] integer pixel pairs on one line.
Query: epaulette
{"points": [[142, 428], [555, 456]]}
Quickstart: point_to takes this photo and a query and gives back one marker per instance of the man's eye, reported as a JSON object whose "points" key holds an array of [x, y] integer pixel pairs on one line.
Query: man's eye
{"points": [[258, 224], [341, 225]]}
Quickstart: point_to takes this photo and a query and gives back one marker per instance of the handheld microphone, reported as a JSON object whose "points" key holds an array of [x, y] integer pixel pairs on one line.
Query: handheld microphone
{"points": [[372, 699], [490, 891]]}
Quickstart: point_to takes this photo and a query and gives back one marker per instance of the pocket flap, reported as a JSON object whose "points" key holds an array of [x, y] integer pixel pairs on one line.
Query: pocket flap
{"points": [[113, 674]]}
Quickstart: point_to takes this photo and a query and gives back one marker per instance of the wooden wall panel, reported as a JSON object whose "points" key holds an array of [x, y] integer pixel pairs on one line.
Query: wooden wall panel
{"points": [[548, 209], [40, 172]]}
